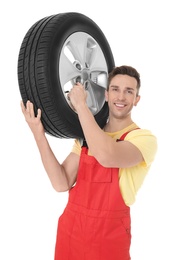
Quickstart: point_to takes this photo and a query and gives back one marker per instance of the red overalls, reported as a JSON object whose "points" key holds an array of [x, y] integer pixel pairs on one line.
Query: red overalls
{"points": [[95, 224]]}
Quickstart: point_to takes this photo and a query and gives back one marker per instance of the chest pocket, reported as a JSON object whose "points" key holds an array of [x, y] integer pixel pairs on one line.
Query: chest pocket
{"points": [[92, 171]]}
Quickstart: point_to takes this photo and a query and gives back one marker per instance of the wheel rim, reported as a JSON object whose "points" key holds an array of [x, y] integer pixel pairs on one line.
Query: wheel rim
{"points": [[82, 60]]}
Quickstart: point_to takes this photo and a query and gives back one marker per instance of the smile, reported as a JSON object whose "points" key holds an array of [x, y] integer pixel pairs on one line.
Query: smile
{"points": [[119, 105]]}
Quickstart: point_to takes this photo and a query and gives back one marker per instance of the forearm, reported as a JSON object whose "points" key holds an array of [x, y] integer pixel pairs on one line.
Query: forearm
{"points": [[99, 143], [57, 174], [54, 169]]}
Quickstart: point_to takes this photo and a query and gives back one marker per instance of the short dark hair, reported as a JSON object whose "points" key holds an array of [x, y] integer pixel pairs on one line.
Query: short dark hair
{"points": [[125, 70]]}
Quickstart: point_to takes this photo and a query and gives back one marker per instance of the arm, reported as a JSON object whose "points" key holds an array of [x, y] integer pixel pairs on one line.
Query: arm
{"points": [[108, 152], [62, 176]]}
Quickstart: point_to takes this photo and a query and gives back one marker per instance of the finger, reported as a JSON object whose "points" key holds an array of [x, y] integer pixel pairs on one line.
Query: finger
{"points": [[79, 84], [39, 113], [22, 107], [31, 109], [28, 106]]}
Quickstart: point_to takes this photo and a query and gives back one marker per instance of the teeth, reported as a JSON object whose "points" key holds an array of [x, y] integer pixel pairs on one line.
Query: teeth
{"points": [[119, 105]]}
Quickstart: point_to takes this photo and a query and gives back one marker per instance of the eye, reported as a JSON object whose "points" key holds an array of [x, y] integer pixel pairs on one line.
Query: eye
{"points": [[130, 91], [114, 89]]}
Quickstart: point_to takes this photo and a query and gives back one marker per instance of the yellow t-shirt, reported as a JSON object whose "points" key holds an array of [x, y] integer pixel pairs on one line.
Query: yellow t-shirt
{"points": [[132, 178]]}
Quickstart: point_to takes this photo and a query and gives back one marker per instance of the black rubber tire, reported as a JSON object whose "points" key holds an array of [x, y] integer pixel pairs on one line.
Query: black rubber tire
{"points": [[38, 71]]}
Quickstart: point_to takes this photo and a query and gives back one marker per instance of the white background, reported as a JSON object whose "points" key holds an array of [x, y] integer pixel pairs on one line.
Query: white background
{"points": [[143, 34]]}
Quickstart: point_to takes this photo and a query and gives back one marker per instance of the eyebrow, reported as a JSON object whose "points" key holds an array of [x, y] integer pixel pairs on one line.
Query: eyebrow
{"points": [[128, 88]]}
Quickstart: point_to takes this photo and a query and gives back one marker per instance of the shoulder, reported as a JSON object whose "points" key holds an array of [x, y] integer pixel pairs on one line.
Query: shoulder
{"points": [[139, 132], [141, 135], [145, 141]]}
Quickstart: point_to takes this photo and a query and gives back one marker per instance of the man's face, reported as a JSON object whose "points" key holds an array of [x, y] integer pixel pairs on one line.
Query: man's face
{"points": [[122, 95]]}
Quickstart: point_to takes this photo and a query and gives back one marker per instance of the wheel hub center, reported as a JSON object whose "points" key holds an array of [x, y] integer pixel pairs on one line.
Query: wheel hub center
{"points": [[85, 74]]}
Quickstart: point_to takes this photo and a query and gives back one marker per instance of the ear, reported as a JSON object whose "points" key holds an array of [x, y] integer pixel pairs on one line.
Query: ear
{"points": [[106, 95], [137, 100]]}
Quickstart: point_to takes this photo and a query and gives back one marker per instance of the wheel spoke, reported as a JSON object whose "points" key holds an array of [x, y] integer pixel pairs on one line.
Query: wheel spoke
{"points": [[67, 70], [75, 48], [99, 77], [95, 97], [82, 60], [90, 51], [94, 57]]}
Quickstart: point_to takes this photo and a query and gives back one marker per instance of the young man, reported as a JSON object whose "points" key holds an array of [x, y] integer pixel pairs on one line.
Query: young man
{"points": [[104, 177]]}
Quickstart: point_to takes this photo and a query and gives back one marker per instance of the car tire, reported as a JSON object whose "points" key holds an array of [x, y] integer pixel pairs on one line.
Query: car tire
{"points": [[56, 52]]}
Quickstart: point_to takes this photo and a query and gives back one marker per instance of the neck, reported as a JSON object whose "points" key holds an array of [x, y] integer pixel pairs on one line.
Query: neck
{"points": [[114, 125]]}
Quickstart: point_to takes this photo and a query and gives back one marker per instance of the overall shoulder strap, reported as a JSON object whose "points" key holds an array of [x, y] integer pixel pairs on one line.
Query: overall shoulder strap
{"points": [[124, 135], [84, 144]]}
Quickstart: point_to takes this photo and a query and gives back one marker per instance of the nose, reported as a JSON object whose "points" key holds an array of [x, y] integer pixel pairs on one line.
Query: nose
{"points": [[121, 95]]}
